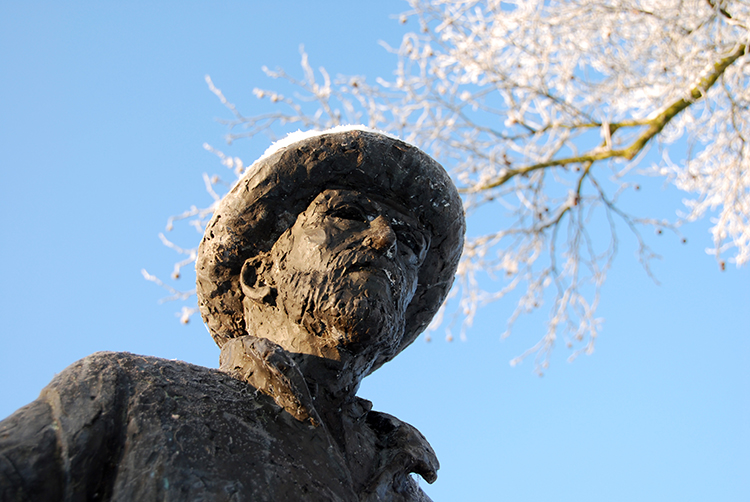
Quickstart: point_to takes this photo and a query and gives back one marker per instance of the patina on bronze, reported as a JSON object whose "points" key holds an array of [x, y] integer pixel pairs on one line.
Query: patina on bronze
{"points": [[325, 261]]}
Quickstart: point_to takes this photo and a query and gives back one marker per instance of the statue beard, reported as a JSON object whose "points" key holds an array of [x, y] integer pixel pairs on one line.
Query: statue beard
{"points": [[357, 311]]}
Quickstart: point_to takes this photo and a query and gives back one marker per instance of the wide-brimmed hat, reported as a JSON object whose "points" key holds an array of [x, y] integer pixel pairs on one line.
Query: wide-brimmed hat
{"points": [[266, 201]]}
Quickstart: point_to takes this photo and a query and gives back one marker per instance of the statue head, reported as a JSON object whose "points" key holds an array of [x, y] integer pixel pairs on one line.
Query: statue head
{"points": [[344, 241]]}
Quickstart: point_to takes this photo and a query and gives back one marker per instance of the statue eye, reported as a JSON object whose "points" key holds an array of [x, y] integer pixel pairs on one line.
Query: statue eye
{"points": [[412, 240], [352, 213]]}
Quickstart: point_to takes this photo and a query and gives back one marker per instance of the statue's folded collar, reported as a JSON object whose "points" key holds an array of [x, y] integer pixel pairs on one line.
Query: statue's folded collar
{"points": [[272, 371], [267, 367]]}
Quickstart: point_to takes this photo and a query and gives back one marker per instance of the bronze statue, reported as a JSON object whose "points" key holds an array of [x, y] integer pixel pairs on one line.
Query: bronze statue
{"points": [[326, 260]]}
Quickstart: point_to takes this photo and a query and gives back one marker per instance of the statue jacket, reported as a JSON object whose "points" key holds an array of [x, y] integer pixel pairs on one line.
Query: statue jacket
{"points": [[123, 427]]}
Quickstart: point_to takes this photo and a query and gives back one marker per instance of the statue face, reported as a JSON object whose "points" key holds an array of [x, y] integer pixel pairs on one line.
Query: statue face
{"points": [[348, 268]]}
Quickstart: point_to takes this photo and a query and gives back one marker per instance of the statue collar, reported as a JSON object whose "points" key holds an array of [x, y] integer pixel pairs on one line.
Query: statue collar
{"points": [[268, 368]]}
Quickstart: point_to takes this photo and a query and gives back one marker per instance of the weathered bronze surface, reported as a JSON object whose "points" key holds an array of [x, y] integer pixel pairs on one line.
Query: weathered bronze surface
{"points": [[324, 262]]}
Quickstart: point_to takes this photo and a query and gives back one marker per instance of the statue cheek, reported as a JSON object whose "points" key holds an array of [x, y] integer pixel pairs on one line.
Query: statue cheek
{"points": [[322, 242], [316, 237], [310, 250], [312, 242]]}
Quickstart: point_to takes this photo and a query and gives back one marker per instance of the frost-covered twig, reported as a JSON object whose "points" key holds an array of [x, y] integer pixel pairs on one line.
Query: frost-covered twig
{"points": [[541, 110]]}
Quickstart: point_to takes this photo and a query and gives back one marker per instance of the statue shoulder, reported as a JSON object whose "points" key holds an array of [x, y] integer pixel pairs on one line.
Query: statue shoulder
{"points": [[60, 446]]}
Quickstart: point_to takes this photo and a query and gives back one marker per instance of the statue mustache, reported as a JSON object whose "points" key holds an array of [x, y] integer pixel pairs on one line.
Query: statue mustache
{"points": [[375, 264]]}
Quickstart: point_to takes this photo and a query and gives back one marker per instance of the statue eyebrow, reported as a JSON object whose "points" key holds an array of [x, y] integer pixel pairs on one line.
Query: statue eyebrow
{"points": [[369, 205], [359, 200]]}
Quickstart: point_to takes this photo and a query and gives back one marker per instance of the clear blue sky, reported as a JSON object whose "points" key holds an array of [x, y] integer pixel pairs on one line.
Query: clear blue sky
{"points": [[103, 113]]}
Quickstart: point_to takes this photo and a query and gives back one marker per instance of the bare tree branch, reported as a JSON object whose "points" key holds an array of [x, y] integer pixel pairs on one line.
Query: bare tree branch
{"points": [[543, 111]]}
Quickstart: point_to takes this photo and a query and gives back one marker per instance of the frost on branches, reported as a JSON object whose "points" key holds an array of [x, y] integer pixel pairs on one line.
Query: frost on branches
{"points": [[542, 111]]}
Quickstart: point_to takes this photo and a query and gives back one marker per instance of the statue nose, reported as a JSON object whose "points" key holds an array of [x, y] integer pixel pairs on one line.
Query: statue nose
{"points": [[381, 235]]}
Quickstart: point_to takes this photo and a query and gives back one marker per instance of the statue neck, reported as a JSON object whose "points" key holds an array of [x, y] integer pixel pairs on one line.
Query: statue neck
{"points": [[309, 387], [332, 372]]}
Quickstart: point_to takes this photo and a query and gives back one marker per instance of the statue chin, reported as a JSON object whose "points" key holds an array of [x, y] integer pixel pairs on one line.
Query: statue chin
{"points": [[352, 312], [360, 323]]}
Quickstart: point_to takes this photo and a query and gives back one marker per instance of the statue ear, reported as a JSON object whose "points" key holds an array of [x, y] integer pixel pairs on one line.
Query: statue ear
{"points": [[255, 284]]}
